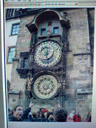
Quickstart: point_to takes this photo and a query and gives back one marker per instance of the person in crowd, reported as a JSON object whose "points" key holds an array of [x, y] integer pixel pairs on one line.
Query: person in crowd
{"points": [[19, 114], [88, 119], [60, 115], [51, 118], [44, 110], [70, 117], [42, 116], [10, 113], [77, 117], [33, 117], [38, 117], [49, 112]]}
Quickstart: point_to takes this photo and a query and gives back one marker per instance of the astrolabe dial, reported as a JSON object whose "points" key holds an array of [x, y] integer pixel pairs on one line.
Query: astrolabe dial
{"points": [[45, 86], [47, 54]]}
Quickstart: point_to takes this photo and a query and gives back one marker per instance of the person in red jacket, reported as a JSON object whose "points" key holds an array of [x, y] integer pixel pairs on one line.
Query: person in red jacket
{"points": [[77, 117]]}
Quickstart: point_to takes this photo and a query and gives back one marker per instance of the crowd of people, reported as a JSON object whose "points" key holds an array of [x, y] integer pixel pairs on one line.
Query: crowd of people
{"points": [[76, 117], [43, 115]]}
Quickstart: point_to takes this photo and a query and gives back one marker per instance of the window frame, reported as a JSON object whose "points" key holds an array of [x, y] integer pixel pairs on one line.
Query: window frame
{"points": [[41, 32], [24, 62], [54, 29], [12, 29], [8, 53]]}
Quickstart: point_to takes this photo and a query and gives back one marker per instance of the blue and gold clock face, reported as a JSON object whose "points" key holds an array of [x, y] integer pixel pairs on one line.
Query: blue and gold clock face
{"points": [[47, 54], [45, 86]]}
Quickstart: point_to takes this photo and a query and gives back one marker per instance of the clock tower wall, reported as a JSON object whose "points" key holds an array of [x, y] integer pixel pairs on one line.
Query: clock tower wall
{"points": [[78, 65]]}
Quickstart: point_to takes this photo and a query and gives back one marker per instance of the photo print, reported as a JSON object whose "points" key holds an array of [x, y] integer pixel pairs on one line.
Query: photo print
{"points": [[49, 64]]}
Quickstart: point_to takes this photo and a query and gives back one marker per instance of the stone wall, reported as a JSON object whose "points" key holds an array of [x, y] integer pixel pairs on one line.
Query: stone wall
{"points": [[79, 71]]}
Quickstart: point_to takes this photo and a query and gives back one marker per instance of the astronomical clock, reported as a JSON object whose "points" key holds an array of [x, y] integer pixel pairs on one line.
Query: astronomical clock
{"points": [[47, 56], [48, 53], [45, 86]]}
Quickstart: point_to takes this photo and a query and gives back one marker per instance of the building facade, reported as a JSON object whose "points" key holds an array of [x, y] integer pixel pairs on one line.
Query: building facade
{"points": [[53, 61], [11, 34]]}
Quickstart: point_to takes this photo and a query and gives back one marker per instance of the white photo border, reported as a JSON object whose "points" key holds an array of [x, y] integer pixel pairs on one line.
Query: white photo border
{"points": [[45, 124]]}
